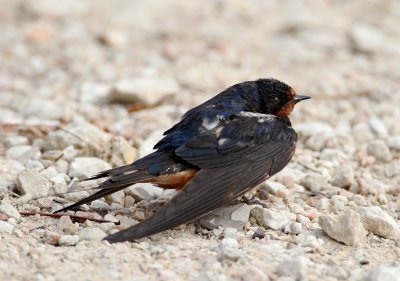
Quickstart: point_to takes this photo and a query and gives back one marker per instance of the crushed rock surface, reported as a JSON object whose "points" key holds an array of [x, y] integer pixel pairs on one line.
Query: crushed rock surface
{"points": [[85, 86]]}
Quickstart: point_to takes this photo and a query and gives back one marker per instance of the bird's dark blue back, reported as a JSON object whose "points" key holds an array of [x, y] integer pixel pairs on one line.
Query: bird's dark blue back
{"points": [[237, 98]]}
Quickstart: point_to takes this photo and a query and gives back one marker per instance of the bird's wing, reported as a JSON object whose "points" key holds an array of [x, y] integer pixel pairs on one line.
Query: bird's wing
{"points": [[255, 148]]}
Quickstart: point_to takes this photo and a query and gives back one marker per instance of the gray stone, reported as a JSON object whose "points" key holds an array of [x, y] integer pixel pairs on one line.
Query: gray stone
{"points": [[345, 228], [230, 232], [34, 165], [338, 202], [16, 140], [99, 204], [9, 171], [68, 240], [394, 143], [116, 197], [111, 218], [228, 249], [82, 136], [52, 155], [6, 228], [62, 166], [91, 233], [337, 271], [323, 204], [24, 152], [274, 187], [315, 182], [379, 150], [236, 216], [343, 176], [295, 228], [32, 185], [308, 241], [377, 126], [147, 91], [361, 132], [269, 218], [126, 221], [365, 39], [118, 152], [144, 191], [392, 168], [314, 128], [379, 222], [84, 167], [49, 172], [252, 273], [59, 184], [295, 267], [10, 211], [318, 141], [384, 273], [107, 226]]}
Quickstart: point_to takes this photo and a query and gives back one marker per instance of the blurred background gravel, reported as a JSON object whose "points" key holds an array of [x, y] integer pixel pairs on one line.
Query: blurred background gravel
{"points": [[89, 85]]}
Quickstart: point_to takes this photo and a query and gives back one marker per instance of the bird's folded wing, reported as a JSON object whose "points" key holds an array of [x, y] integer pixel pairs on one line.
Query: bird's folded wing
{"points": [[226, 173]]}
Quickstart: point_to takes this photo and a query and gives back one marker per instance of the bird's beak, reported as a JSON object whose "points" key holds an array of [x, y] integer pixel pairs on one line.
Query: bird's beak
{"points": [[298, 98]]}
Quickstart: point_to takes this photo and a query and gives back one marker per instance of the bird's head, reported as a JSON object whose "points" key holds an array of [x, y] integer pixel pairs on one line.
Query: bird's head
{"points": [[279, 99]]}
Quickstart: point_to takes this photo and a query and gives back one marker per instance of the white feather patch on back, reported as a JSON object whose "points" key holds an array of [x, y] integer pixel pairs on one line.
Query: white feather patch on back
{"points": [[210, 124], [261, 118]]}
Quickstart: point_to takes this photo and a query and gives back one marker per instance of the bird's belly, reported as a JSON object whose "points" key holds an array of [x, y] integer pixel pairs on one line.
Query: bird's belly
{"points": [[175, 181]]}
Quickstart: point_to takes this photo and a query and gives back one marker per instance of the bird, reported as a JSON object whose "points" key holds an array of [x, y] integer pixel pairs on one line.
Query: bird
{"points": [[218, 151]]}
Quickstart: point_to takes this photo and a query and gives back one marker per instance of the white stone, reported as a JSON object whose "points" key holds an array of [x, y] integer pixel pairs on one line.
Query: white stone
{"points": [[68, 240], [6, 227], [236, 216], [23, 152], [295, 267], [343, 177], [365, 39], [16, 140], [379, 150], [269, 218], [379, 222], [144, 191], [274, 187], [10, 211], [80, 135], [32, 185], [315, 182], [99, 204], [228, 250], [148, 91], [394, 143], [345, 228], [84, 167], [377, 126], [384, 273], [91, 233], [119, 152]]}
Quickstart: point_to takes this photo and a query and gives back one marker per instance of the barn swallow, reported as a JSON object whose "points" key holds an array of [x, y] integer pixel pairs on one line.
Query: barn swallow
{"points": [[218, 151]]}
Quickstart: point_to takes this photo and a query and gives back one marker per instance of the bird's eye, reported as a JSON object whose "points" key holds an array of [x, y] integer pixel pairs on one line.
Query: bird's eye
{"points": [[274, 99]]}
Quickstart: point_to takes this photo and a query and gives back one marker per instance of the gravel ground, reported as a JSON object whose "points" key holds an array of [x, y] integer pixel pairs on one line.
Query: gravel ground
{"points": [[86, 86]]}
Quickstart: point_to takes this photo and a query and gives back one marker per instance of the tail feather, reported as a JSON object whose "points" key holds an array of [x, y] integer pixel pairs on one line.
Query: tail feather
{"points": [[114, 184], [111, 172]]}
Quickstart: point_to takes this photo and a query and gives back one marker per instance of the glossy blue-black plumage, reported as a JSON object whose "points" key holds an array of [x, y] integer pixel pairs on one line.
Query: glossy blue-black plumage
{"points": [[223, 147]]}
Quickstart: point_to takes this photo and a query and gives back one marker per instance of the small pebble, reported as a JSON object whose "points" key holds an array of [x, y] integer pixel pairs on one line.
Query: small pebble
{"points": [[91, 233], [68, 240], [345, 228]]}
